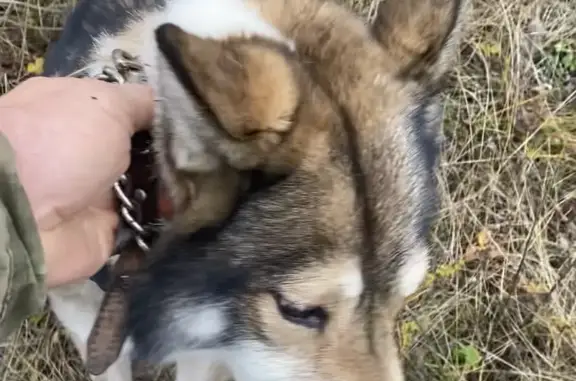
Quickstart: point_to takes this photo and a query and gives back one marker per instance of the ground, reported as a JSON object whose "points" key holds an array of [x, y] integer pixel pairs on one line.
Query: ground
{"points": [[500, 304]]}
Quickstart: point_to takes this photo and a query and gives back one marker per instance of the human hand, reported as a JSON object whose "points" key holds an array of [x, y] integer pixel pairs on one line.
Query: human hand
{"points": [[72, 142]]}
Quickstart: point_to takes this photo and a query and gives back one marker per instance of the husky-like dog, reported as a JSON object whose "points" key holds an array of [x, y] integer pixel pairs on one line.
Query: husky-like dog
{"points": [[304, 278]]}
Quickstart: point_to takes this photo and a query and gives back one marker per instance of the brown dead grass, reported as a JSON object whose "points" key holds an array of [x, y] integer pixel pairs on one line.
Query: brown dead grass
{"points": [[501, 303]]}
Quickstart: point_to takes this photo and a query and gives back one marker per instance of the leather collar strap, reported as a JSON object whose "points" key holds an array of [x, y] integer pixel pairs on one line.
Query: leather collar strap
{"points": [[140, 176], [108, 333]]}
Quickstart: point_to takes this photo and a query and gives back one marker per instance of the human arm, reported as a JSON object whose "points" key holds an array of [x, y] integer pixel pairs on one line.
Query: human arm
{"points": [[64, 143]]}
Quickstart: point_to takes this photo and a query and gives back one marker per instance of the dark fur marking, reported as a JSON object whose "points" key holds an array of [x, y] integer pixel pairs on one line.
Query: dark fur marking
{"points": [[189, 276], [426, 133], [90, 18]]}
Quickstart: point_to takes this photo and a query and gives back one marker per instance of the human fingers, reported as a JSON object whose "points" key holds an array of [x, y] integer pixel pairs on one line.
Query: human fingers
{"points": [[138, 102], [77, 248], [134, 101]]}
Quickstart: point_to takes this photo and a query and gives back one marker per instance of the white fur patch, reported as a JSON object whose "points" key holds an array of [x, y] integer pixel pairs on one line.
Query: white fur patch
{"points": [[220, 19], [202, 365], [352, 283], [253, 361], [413, 271], [202, 324]]}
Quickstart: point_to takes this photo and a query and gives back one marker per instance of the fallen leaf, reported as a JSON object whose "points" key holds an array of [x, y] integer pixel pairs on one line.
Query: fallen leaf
{"points": [[36, 319], [482, 239], [407, 332], [449, 269], [36, 67], [490, 49], [468, 356]]}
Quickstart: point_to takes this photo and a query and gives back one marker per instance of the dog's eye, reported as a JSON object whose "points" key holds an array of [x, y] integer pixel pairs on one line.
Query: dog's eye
{"points": [[309, 317]]}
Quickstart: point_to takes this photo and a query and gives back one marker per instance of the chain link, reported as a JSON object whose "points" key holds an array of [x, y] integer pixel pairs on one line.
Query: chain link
{"points": [[130, 199]]}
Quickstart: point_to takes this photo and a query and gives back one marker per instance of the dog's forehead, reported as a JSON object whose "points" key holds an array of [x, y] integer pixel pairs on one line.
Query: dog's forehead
{"points": [[305, 227]]}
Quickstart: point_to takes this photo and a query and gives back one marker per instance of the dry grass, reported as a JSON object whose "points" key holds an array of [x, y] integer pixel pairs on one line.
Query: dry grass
{"points": [[501, 303]]}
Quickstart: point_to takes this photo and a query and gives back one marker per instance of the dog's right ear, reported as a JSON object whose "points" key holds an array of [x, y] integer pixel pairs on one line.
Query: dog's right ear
{"points": [[248, 86], [420, 36]]}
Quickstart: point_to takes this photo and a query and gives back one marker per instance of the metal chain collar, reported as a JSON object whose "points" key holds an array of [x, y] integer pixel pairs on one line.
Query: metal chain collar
{"points": [[130, 199]]}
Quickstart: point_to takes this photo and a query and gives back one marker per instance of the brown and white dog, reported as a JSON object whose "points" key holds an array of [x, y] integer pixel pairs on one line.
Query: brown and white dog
{"points": [[304, 277]]}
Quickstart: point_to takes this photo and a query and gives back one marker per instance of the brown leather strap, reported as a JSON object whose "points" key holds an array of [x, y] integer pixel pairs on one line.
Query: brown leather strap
{"points": [[141, 176], [108, 333]]}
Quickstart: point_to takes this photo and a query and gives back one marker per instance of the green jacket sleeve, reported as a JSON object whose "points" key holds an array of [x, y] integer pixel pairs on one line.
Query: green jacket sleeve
{"points": [[22, 274]]}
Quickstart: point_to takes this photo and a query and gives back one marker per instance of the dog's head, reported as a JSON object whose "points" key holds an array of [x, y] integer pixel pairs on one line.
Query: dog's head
{"points": [[305, 279]]}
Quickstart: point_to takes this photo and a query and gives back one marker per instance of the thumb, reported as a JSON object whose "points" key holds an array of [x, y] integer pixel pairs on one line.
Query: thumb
{"points": [[78, 247], [138, 102]]}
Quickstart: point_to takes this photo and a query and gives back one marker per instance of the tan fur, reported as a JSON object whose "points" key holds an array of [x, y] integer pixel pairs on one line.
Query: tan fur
{"points": [[418, 35], [268, 110], [239, 79]]}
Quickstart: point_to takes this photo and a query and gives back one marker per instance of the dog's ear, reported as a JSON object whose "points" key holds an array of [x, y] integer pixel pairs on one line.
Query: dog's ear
{"points": [[249, 87], [420, 36]]}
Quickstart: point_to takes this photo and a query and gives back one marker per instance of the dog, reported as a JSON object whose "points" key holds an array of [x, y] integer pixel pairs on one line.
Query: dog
{"points": [[304, 277]]}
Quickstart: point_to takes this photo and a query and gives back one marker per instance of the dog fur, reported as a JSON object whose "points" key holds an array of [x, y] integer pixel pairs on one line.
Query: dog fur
{"points": [[254, 127], [305, 275]]}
